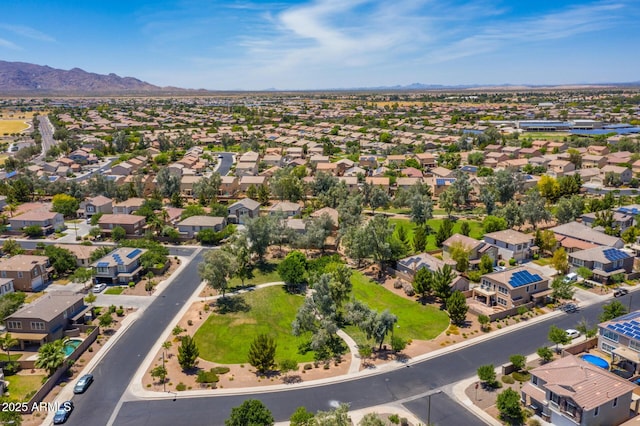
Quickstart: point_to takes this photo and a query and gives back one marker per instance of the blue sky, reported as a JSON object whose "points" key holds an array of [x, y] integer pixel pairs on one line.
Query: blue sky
{"points": [[319, 44]]}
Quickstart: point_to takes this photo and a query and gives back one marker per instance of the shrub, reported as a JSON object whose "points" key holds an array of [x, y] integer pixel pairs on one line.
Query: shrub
{"points": [[207, 377], [408, 290], [181, 387], [534, 422], [307, 367], [397, 284], [220, 370], [512, 262], [10, 368], [521, 376], [394, 418], [474, 276], [131, 284], [189, 323], [120, 312], [112, 309], [508, 380]]}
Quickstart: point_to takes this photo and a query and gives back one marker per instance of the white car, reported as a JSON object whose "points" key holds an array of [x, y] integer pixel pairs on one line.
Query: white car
{"points": [[572, 333], [98, 288]]}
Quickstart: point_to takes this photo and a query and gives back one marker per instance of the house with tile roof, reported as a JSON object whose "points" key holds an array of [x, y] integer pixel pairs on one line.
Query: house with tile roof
{"points": [[567, 232], [512, 244], [571, 391], [512, 287], [604, 262], [121, 266]]}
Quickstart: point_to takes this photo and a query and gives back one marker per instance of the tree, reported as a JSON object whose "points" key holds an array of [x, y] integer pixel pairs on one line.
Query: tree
{"points": [[465, 228], [192, 210], [105, 320], [518, 361], [421, 209], [494, 224], [420, 238], [508, 403], [488, 197], [11, 302], [486, 264], [250, 413], [548, 187], [118, 233], [562, 289], [612, 310], [546, 240], [380, 232], [188, 353], [506, 183], [301, 417], [340, 285], [8, 416], [207, 188], [61, 259], [447, 200], [238, 246], [51, 356], [558, 336], [460, 253], [379, 198], [442, 279], [457, 308], [568, 209], [484, 321], [382, 324], [262, 353], [584, 273], [422, 282], [444, 231], [512, 213], [65, 204], [461, 188], [11, 247], [487, 374], [167, 183], [560, 261], [217, 267], [534, 209], [545, 354], [33, 231], [160, 373], [259, 234], [6, 343]]}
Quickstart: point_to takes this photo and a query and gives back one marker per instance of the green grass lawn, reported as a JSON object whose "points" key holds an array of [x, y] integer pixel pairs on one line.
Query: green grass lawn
{"points": [[415, 321], [476, 229], [549, 136], [227, 338], [543, 261], [14, 357], [21, 385], [264, 273], [114, 290]]}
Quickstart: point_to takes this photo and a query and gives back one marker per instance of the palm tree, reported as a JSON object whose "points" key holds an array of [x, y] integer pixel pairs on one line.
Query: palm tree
{"points": [[51, 356], [6, 343], [155, 225]]}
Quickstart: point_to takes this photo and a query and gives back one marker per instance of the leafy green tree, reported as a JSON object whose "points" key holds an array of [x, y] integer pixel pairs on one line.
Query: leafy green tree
{"points": [[118, 233], [301, 417], [487, 374], [508, 403], [168, 183], [11, 302], [340, 285], [188, 353], [461, 188], [507, 184], [207, 188], [460, 253], [465, 228], [447, 200], [238, 246], [379, 198], [445, 231], [421, 208], [11, 247], [584, 273], [562, 289], [442, 279], [494, 224], [486, 264], [419, 239], [569, 209], [512, 213], [293, 270], [259, 233], [250, 413], [217, 267], [518, 361], [457, 308], [488, 197], [160, 373], [560, 260], [484, 321], [422, 282], [51, 356], [105, 320], [558, 336], [612, 310], [534, 209], [262, 353], [33, 231], [61, 259], [545, 354], [192, 210], [65, 204], [6, 343]]}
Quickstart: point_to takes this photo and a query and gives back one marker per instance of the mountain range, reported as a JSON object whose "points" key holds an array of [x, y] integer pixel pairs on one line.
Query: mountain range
{"points": [[21, 78]]}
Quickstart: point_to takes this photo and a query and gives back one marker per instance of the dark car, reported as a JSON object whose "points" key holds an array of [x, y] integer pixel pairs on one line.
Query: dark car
{"points": [[63, 413], [83, 383], [570, 308], [620, 292]]}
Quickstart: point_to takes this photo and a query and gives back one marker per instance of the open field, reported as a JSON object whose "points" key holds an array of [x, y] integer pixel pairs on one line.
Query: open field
{"points": [[226, 338], [264, 273], [12, 126], [550, 136], [415, 321]]}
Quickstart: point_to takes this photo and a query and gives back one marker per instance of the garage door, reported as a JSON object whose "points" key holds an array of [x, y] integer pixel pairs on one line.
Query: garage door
{"points": [[37, 283]]}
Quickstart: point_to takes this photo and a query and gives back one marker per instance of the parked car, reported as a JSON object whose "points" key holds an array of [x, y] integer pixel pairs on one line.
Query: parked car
{"points": [[83, 383], [570, 278], [499, 268], [99, 287], [569, 308], [620, 292], [63, 413], [220, 156], [572, 333]]}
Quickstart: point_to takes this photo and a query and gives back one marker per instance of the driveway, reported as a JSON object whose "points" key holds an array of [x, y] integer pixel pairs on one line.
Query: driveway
{"points": [[79, 229], [126, 301], [548, 271]]}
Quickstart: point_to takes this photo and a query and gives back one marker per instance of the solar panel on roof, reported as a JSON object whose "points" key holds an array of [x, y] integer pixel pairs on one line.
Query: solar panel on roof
{"points": [[521, 278], [134, 253], [103, 264], [613, 254]]}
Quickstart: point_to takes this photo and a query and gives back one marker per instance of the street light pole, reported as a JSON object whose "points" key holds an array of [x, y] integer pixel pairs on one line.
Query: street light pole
{"points": [[164, 379], [429, 406]]}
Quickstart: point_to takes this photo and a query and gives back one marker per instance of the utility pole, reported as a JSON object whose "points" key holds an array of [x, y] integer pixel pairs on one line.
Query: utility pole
{"points": [[429, 406], [164, 379]]}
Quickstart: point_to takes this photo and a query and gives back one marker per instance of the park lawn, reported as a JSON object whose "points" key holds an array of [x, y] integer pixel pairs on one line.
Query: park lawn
{"points": [[550, 136], [114, 290], [12, 126], [477, 231], [14, 357], [22, 385], [415, 321], [226, 338], [262, 274]]}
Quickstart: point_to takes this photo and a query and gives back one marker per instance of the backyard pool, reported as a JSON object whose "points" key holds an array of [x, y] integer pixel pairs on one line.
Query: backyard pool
{"points": [[595, 360], [71, 346]]}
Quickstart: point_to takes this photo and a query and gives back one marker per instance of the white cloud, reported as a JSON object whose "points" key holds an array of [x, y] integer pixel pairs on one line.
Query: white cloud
{"points": [[27, 32], [9, 44]]}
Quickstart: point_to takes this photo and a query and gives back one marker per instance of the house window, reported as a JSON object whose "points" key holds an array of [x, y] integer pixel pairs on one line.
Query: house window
{"points": [[554, 398], [615, 402], [577, 262], [3, 274], [37, 325], [19, 274], [122, 268], [634, 345], [103, 270], [534, 380], [596, 412], [597, 265], [502, 301], [503, 290], [607, 348], [609, 335], [14, 325]]}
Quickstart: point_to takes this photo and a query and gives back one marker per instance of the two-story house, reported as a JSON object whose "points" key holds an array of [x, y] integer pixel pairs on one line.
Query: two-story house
{"points": [[95, 205], [571, 391], [286, 208], [49, 222], [194, 224], [512, 287], [603, 261], [621, 221], [121, 266], [132, 224], [244, 209], [624, 173], [46, 318], [620, 338], [128, 206], [476, 248], [567, 234], [29, 273], [511, 244], [408, 267]]}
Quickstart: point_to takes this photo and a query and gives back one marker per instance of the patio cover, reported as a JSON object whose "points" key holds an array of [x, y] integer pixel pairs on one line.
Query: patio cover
{"points": [[29, 336], [627, 354], [483, 291]]}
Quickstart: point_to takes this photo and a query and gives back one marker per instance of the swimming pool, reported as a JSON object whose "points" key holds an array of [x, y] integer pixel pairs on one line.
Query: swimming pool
{"points": [[595, 360], [71, 346]]}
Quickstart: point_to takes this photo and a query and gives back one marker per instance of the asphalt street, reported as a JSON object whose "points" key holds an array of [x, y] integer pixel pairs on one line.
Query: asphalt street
{"points": [[225, 163], [119, 365], [46, 130]]}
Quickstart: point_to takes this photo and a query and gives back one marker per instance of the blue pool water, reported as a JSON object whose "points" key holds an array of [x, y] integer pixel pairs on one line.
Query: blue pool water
{"points": [[596, 360], [71, 346]]}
